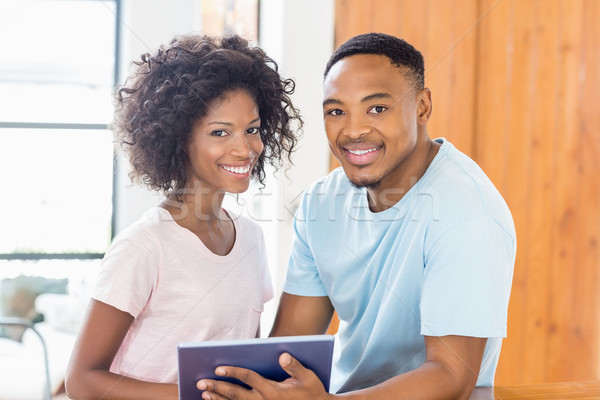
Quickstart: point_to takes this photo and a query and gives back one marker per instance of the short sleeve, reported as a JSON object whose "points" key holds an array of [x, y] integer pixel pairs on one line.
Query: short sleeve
{"points": [[303, 277], [467, 280], [129, 272]]}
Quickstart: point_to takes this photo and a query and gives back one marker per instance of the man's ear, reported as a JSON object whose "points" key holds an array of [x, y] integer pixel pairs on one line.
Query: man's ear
{"points": [[424, 107]]}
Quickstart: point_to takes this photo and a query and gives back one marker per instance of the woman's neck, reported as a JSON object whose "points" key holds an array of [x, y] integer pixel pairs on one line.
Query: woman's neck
{"points": [[201, 212], [198, 204]]}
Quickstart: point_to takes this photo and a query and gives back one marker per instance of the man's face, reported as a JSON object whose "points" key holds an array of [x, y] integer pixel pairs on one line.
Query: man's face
{"points": [[372, 114]]}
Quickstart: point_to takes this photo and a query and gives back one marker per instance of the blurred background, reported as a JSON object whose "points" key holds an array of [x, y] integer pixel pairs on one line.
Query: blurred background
{"points": [[514, 86]]}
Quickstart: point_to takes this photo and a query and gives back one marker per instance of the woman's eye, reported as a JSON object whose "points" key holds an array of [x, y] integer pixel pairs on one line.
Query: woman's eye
{"points": [[253, 131], [376, 109], [218, 133]]}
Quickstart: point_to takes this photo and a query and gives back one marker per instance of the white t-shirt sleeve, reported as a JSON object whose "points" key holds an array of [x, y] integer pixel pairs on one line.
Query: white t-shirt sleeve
{"points": [[467, 280], [129, 271]]}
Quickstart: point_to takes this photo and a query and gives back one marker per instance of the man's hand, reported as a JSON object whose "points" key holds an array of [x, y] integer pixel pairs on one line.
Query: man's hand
{"points": [[301, 385]]}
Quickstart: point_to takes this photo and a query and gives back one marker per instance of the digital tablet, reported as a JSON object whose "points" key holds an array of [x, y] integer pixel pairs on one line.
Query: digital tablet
{"points": [[198, 360]]}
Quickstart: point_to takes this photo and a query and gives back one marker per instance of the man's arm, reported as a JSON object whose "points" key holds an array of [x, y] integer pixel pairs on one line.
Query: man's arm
{"points": [[450, 371], [302, 315]]}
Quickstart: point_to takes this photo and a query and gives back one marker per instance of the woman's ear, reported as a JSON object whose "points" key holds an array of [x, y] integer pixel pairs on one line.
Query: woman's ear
{"points": [[424, 107]]}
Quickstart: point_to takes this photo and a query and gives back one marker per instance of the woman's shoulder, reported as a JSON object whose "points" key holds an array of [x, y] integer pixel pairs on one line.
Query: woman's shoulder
{"points": [[146, 228], [246, 224]]}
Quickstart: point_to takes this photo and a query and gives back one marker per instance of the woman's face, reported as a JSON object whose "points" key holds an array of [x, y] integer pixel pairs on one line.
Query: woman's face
{"points": [[225, 144]]}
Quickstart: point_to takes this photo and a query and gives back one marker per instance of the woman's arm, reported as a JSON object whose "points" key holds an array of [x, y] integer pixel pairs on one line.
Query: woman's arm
{"points": [[99, 339]]}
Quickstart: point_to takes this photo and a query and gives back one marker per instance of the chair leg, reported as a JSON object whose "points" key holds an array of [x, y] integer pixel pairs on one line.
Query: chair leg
{"points": [[8, 321]]}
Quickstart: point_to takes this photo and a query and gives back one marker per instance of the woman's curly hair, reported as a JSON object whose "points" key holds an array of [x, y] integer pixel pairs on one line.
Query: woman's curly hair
{"points": [[170, 90]]}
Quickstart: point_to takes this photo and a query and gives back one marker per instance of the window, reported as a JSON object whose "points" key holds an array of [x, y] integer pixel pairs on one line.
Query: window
{"points": [[57, 73]]}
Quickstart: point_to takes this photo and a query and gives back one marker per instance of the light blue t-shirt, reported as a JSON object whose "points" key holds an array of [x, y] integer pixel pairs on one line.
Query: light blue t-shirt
{"points": [[439, 262]]}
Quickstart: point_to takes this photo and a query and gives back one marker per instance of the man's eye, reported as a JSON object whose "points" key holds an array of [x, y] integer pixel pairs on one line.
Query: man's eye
{"points": [[377, 109], [253, 131], [335, 112], [218, 133]]}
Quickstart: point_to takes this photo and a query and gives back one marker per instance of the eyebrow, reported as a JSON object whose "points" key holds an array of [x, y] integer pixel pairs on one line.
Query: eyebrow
{"points": [[374, 96], [331, 101], [230, 124]]}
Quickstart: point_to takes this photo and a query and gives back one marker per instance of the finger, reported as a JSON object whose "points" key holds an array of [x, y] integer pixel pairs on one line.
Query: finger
{"points": [[219, 390], [247, 376], [292, 366], [213, 396], [301, 378]]}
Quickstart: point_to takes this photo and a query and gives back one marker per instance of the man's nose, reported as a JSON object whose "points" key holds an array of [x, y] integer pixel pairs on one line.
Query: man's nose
{"points": [[356, 126]]}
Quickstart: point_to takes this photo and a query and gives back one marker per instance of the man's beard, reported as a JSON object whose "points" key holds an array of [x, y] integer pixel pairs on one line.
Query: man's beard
{"points": [[371, 185]]}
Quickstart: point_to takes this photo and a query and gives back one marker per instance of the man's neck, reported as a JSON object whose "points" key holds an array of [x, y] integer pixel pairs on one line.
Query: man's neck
{"points": [[394, 186]]}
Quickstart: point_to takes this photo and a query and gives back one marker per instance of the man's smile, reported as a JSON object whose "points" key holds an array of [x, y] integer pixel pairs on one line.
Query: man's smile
{"points": [[361, 153]]}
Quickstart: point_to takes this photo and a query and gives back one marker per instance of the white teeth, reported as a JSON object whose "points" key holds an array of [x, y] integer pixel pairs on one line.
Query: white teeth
{"points": [[237, 170], [361, 152]]}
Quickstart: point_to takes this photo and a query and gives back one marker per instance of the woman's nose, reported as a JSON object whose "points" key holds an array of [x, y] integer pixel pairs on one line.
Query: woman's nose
{"points": [[241, 146]]}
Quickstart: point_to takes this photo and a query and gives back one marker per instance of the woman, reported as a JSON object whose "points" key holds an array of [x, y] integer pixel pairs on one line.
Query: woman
{"points": [[199, 118]]}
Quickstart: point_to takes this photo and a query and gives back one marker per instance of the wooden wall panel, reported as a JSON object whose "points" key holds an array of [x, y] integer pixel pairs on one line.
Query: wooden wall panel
{"points": [[562, 293], [495, 100], [525, 144], [539, 165], [586, 310], [450, 53], [514, 84]]}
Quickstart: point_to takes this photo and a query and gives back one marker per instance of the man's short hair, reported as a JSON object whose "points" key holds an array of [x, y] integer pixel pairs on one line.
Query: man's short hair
{"points": [[400, 53]]}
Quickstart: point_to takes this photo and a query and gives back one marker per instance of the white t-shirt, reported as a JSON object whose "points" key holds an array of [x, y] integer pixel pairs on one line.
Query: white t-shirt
{"points": [[179, 291]]}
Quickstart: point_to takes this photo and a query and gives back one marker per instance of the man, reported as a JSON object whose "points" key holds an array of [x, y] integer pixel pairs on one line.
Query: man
{"points": [[409, 242]]}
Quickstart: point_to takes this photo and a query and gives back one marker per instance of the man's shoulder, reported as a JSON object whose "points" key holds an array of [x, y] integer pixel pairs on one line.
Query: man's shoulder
{"points": [[333, 192], [463, 191], [334, 182]]}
